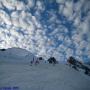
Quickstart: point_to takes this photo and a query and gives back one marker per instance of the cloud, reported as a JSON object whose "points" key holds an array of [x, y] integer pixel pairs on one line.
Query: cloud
{"points": [[68, 9], [5, 17], [60, 1], [9, 4], [19, 5], [30, 3], [37, 27]]}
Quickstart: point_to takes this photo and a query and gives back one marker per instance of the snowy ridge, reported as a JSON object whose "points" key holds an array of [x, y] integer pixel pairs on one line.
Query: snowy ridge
{"points": [[43, 76], [16, 54]]}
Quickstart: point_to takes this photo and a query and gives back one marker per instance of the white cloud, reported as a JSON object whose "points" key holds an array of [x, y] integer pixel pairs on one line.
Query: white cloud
{"points": [[60, 1], [19, 5], [60, 37], [9, 4], [30, 3], [23, 29], [62, 48], [5, 17], [77, 21], [68, 9], [84, 26], [61, 7], [69, 52], [39, 5], [13, 4], [1, 5]]}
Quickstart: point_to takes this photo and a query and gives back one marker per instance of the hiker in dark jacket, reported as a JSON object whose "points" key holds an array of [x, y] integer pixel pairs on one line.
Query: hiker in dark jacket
{"points": [[32, 61], [87, 70], [72, 62], [52, 60]]}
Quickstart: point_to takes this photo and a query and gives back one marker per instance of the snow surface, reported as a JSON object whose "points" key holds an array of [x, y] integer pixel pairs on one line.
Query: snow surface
{"points": [[43, 76], [16, 55]]}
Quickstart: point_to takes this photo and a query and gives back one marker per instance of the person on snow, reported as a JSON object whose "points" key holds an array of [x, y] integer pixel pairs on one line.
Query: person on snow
{"points": [[37, 62], [31, 62]]}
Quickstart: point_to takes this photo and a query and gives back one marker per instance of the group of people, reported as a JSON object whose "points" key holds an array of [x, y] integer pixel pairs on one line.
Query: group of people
{"points": [[77, 64], [72, 62], [36, 61]]}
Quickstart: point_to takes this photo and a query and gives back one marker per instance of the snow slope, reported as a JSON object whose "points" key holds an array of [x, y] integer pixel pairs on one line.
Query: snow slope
{"points": [[41, 77], [16, 55]]}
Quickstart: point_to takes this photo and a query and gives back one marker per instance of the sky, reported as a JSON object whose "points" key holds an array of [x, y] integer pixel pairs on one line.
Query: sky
{"points": [[59, 28]]}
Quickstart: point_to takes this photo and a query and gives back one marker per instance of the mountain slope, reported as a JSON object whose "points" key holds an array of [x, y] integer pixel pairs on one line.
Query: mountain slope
{"points": [[42, 77], [15, 71], [16, 55]]}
